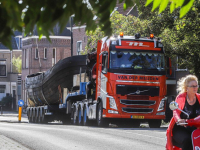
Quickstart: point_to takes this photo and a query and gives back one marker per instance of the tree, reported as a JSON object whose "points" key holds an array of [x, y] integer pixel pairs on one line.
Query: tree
{"points": [[129, 25], [23, 15], [180, 36], [17, 62]]}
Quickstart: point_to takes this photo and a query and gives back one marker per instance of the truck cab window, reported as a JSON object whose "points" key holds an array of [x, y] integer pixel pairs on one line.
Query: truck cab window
{"points": [[104, 63]]}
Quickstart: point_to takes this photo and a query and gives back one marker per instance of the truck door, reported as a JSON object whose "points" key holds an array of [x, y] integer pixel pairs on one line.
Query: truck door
{"points": [[103, 77]]}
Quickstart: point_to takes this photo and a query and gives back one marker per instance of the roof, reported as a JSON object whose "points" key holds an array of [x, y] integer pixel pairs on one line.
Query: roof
{"points": [[15, 40]]}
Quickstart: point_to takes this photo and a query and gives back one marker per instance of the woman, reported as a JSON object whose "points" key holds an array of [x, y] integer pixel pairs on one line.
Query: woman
{"points": [[188, 101]]}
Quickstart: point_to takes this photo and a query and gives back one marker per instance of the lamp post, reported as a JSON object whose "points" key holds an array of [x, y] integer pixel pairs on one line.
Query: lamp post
{"points": [[71, 35]]}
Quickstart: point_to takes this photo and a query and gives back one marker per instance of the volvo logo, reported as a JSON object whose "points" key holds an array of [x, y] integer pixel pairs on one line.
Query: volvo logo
{"points": [[137, 92]]}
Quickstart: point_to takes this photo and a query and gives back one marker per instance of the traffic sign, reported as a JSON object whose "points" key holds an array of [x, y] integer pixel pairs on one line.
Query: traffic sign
{"points": [[20, 102]]}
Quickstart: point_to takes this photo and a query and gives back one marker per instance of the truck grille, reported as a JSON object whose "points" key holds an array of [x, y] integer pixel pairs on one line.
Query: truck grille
{"points": [[137, 102], [137, 90], [137, 110], [137, 97]]}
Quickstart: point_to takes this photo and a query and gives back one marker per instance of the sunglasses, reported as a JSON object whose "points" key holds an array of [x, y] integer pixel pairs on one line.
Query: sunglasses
{"points": [[194, 86]]}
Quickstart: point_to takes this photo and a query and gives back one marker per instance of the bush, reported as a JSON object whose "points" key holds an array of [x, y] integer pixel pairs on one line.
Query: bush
{"points": [[6, 100]]}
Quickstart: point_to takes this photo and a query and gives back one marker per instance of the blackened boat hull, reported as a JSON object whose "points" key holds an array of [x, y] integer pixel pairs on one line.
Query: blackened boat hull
{"points": [[43, 88]]}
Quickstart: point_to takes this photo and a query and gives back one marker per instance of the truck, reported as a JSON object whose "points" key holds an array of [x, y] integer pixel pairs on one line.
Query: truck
{"points": [[123, 82]]}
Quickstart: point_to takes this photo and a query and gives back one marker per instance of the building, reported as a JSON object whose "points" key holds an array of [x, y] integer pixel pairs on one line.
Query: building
{"points": [[10, 77], [41, 55]]}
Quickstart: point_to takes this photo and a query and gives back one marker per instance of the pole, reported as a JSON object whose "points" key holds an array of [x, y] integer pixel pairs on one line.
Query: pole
{"points": [[71, 38], [20, 114], [1, 110]]}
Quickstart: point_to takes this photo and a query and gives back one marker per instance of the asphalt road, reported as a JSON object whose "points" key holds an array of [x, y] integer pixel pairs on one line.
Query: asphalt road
{"points": [[63, 137]]}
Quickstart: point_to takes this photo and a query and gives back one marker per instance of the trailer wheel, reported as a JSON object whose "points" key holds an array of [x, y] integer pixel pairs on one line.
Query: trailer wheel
{"points": [[35, 117], [44, 118], [85, 118], [79, 116], [32, 117], [155, 123], [28, 114], [101, 122], [39, 117], [74, 117]]}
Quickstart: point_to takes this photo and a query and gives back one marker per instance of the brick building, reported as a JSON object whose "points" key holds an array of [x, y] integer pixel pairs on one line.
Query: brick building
{"points": [[41, 55], [10, 77]]}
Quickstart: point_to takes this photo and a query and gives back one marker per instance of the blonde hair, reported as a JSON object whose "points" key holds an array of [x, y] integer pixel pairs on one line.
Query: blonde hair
{"points": [[183, 83]]}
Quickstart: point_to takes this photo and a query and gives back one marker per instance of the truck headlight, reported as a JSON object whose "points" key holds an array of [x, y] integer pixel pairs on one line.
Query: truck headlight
{"points": [[162, 104], [112, 103]]}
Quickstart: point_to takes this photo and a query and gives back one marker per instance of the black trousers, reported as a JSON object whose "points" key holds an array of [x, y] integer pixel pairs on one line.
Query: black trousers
{"points": [[182, 137]]}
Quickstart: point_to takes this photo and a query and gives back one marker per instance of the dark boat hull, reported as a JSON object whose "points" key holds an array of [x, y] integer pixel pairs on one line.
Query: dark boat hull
{"points": [[44, 88]]}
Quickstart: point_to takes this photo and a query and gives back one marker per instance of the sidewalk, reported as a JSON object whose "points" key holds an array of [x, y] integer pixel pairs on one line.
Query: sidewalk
{"points": [[12, 117]]}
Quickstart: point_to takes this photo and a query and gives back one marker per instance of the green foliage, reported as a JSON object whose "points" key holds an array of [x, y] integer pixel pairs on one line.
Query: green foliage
{"points": [[180, 36], [184, 5], [6, 100], [23, 15], [129, 25], [17, 63]]}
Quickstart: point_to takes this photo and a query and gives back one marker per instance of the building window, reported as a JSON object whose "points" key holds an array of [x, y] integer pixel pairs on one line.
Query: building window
{"points": [[36, 53], [45, 53], [2, 90], [2, 68], [78, 47], [54, 57], [180, 64], [27, 58]]}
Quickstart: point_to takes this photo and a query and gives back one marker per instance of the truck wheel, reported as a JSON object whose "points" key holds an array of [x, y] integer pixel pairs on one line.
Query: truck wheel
{"points": [[101, 122], [79, 116], [155, 123], [85, 118]]}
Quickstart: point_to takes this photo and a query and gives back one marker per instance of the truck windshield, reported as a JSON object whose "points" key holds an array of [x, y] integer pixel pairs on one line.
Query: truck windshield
{"points": [[137, 60]]}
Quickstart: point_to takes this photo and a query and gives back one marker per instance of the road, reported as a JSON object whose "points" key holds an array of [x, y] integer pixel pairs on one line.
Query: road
{"points": [[63, 137]]}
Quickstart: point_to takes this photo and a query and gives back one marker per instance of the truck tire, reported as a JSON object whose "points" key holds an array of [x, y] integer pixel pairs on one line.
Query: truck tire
{"points": [[154, 123], [101, 122], [85, 118], [79, 120]]}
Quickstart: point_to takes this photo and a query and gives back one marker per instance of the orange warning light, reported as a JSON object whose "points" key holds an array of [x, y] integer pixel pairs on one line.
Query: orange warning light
{"points": [[151, 36], [121, 34]]}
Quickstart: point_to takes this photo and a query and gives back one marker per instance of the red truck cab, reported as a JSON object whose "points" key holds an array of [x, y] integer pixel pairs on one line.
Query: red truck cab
{"points": [[131, 79]]}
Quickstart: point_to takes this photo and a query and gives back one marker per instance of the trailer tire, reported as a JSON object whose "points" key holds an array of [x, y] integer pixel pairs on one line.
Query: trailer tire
{"points": [[32, 117], [154, 123], [85, 118], [36, 116], [44, 118], [74, 116], [29, 117], [39, 116], [101, 122], [79, 117]]}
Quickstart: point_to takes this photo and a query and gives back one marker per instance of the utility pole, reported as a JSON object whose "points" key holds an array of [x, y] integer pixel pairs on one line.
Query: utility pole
{"points": [[71, 36]]}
